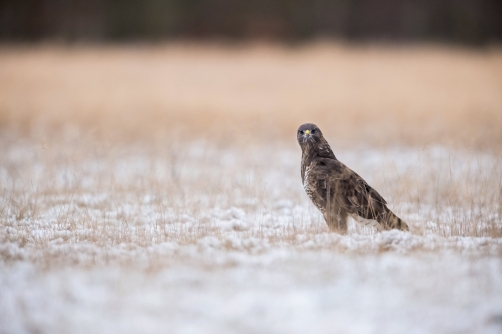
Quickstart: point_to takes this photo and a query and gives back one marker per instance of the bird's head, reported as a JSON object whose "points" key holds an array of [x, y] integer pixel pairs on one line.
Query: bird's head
{"points": [[309, 134]]}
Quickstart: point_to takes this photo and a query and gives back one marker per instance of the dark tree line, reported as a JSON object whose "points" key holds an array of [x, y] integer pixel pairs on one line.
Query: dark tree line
{"points": [[462, 21]]}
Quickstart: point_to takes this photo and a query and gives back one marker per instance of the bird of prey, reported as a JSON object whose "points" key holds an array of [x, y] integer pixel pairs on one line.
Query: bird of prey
{"points": [[336, 190]]}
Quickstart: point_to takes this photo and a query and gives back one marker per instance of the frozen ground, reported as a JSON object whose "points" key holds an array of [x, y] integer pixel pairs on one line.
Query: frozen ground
{"points": [[97, 237]]}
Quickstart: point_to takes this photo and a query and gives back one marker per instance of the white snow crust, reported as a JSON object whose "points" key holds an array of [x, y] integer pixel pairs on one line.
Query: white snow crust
{"points": [[201, 239]]}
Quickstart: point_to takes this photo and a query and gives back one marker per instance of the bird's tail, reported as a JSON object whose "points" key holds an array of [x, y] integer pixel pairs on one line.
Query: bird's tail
{"points": [[391, 221]]}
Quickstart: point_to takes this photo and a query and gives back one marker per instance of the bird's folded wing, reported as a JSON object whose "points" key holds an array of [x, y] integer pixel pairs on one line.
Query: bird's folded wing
{"points": [[348, 189]]}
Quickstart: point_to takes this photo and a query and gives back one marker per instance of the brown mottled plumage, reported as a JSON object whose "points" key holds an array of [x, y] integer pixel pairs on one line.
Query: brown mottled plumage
{"points": [[336, 190]]}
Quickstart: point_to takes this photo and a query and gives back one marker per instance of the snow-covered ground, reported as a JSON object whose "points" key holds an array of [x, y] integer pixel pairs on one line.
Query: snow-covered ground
{"points": [[280, 291], [198, 238]]}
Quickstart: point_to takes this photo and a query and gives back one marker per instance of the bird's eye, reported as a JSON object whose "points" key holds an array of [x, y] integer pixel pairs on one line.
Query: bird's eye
{"points": [[313, 131], [300, 132]]}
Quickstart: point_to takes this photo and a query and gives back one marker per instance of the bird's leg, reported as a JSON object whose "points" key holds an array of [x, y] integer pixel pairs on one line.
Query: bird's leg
{"points": [[336, 219]]}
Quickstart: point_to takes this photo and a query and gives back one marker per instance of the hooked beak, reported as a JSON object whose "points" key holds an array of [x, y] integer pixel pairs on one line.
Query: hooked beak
{"points": [[307, 133]]}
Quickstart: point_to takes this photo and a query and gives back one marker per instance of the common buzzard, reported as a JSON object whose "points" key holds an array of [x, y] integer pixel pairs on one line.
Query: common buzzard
{"points": [[336, 190]]}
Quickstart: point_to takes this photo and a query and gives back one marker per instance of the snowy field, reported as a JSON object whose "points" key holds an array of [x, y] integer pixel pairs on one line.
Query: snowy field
{"points": [[156, 189], [192, 237]]}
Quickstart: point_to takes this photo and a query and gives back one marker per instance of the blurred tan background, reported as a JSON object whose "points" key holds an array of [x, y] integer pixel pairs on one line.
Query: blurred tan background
{"points": [[402, 72], [381, 94]]}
